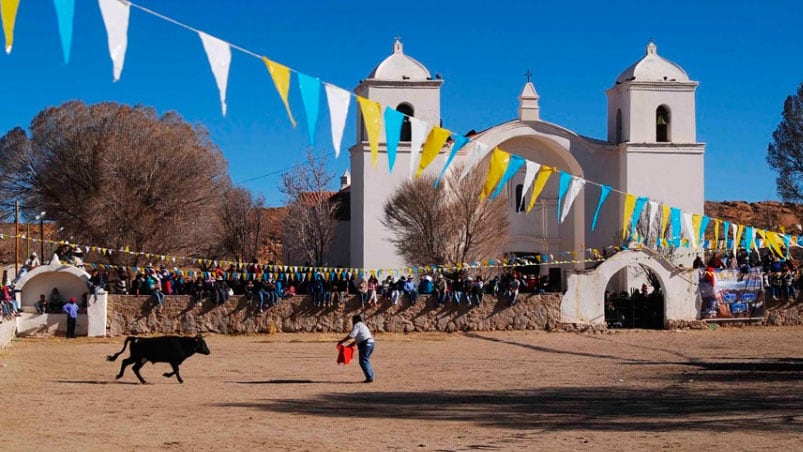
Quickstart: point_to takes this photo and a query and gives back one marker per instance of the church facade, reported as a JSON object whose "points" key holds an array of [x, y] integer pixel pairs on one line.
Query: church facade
{"points": [[651, 150]]}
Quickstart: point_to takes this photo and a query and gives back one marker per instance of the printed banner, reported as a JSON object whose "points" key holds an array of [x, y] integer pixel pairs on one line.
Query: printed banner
{"points": [[729, 293]]}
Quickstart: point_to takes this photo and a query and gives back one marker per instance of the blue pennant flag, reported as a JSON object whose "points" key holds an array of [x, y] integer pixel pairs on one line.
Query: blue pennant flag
{"points": [[310, 95], [513, 166], [393, 125], [459, 142], [674, 220], [65, 10], [640, 203], [604, 191]]}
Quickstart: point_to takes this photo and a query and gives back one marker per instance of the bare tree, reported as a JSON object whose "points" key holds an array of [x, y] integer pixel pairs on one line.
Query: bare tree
{"points": [[418, 215], [481, 224], [309, 226], [244, 230], [114, 175], [448, 224]]}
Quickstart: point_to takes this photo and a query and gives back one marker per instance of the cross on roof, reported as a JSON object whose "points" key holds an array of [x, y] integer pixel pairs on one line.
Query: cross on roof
{"points": [[528, 74]]}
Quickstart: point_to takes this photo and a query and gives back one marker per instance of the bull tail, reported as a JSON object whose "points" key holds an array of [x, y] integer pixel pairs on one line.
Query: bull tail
{"points": [[125, 344]]}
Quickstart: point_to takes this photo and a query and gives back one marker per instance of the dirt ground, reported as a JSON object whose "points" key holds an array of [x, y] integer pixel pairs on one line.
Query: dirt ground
{"points": [[739, 388]]}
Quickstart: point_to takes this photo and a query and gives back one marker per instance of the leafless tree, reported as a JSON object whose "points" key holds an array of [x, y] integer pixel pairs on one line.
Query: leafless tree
{"points": [[481, 224], [309, 226], [244, 229], [114, 175], [448, 224], [418, 215]]}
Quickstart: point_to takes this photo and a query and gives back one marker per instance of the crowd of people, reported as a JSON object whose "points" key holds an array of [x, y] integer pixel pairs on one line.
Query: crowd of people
{"points": [[263, 290], [782, 279]]}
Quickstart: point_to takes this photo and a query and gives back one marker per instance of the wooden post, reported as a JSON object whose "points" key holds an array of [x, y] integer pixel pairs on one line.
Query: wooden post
{"points": [[16, 238]]}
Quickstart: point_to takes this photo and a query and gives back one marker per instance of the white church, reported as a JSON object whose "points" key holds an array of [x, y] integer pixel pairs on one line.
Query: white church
{"points": [[651, 150]]}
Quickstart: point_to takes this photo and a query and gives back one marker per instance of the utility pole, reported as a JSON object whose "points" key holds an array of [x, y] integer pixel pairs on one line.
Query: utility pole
{"points": [[16, 238]]}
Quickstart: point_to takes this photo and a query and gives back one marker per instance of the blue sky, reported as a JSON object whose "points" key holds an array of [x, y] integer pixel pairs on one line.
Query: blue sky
{"points": [[747, 57]]}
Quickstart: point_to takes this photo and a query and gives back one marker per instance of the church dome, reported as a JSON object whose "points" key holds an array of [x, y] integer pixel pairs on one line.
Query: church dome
{"points": [[653, 68], [399, 66]]}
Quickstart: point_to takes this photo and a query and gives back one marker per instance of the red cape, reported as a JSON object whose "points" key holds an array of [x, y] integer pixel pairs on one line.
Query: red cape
{"points": [[344, 354]]}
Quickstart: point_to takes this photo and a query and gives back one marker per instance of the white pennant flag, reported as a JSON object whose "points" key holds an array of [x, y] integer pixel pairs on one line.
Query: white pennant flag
{"points": [[654, 224], [338, 100], [531, 169], [476, 154], [734, 229], [418, 133], [571, 193], [115, 16], [687, 229], [219, 54]]}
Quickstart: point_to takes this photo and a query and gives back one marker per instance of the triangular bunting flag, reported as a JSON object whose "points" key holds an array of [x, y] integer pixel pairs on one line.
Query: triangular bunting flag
{"points": [[530, 170], [338, 100], [432, 147], [418, 130], [575, 186], [372, 119], [310, 88], [65, 10], [219, 54], [604, 191], [393, 124], [457, 144], [539, 184], [115, 16], [627, 215], [513, 166], [281, 78], [496, 168]]}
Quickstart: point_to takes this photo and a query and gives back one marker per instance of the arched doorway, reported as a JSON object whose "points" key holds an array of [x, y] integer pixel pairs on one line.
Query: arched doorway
{"points": [[634, 298], [584, 299]]}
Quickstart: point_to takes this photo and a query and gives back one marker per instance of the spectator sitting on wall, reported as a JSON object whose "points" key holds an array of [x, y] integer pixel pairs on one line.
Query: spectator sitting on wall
{"points": [[41, 304], [56, 301], [33, 261]]}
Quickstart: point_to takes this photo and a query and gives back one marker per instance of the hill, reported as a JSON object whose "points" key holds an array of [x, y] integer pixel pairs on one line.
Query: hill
{"points": [[771, 215]]}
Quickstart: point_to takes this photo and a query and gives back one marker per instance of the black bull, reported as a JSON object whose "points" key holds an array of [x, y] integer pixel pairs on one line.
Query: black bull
{"points": [[164, 349]]}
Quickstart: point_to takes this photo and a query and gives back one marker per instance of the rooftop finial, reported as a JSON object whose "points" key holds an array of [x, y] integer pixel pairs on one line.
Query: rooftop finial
{"points": [[528, 74], [397, 46], [652, 49]]}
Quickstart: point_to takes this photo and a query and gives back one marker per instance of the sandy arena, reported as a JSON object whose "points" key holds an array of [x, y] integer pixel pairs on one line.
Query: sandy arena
{"points": [[737, 388]]}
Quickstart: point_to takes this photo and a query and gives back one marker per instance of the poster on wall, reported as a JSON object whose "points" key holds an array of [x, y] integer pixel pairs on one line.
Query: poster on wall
{"points": [[731, 294]]}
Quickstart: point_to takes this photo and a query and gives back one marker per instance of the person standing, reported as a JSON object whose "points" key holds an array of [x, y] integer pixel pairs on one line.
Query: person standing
{"points": [[71, 309], [365, 345]]}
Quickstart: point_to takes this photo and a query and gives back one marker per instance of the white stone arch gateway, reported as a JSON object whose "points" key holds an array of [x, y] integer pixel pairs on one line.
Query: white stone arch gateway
{"points": [[71, 282], [584, 300]]}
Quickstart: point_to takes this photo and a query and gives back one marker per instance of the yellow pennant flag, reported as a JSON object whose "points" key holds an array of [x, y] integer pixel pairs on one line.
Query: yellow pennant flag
{"points": [[538, 185], [496, 168], [9, 12], [432, 147], [630, 205], [665, 212], [716, 233], [775, 241], [696, 222], [372, 118], [281, 78]]}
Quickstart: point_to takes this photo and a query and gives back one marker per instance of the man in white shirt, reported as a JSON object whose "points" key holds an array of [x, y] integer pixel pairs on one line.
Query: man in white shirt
{"points": [[365, 345]]}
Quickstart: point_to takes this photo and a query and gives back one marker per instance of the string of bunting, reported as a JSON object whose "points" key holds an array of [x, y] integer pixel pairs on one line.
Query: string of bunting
{"points": [[672, 227]]}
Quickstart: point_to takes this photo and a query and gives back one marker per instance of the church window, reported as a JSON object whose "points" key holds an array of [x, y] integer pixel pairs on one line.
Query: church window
{"points": [[519, 197], [663, 122], [618, 125], [408, 111]]}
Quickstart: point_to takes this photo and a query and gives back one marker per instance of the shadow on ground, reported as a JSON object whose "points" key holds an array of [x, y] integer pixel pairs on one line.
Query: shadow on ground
{"points": [[572, 408]]}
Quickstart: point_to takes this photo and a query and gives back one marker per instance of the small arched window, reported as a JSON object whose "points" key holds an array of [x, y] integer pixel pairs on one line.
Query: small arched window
{"points": [[618, 125], [519, 197], [407, 110], [663, 124]]}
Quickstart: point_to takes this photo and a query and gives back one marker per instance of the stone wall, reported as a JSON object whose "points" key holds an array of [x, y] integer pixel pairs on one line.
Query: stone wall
{"points": [[7, 329], [128, 315]]}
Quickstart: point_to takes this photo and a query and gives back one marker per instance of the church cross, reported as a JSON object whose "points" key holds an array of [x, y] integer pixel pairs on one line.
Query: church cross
{"points": [[528, 74]]}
